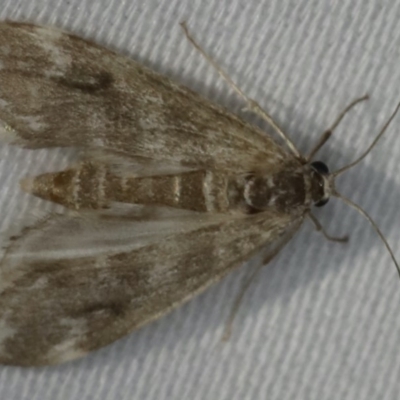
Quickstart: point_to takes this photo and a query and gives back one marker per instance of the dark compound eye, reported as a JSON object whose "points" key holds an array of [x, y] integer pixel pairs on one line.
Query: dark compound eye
{"points": [[321, 202], [320, 167]]}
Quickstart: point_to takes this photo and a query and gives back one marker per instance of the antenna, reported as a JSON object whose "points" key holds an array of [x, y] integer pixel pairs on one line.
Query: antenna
{"points": [[380, 134], [357, 207]]}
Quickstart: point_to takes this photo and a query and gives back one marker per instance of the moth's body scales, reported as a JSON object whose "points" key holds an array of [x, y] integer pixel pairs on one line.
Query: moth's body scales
{"points": [[171, 194], [89, 186]]}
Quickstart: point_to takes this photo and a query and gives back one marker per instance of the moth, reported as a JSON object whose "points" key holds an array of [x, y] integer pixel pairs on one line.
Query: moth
{"points": [[170, 193]]}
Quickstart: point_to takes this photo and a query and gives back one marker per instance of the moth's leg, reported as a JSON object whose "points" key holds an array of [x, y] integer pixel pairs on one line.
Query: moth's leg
{"points": [[266, 256], [249, 278], [252, 105], [320, 228], [328, 133]]}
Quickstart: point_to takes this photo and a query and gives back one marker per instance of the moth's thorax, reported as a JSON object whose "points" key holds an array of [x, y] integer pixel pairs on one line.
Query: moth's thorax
{"points": [[285, 191], [291, 190]]}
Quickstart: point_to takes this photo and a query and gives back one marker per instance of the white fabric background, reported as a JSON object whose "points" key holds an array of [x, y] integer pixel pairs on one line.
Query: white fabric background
{"points": [[323, 320]]}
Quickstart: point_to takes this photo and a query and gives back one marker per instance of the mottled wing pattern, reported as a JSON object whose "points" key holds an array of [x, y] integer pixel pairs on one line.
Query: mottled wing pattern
{"points": [[72, 284], [58, 90], [64, 295]]}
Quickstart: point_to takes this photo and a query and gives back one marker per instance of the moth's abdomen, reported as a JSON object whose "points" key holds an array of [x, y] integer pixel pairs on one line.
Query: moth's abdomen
{"points": [[200, 191], [75, 188], [92, 186]]}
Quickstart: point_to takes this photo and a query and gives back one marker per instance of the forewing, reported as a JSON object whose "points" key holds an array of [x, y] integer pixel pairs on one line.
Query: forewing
{"points": [[60, 300], [72, 284], [57, 90]]}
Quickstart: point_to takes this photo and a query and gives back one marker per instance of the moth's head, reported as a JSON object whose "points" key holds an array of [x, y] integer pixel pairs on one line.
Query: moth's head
{"points": [[322, 183]]}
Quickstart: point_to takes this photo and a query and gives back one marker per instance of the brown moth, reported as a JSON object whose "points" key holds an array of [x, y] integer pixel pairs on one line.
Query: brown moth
{"points": [[170, 194]]}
